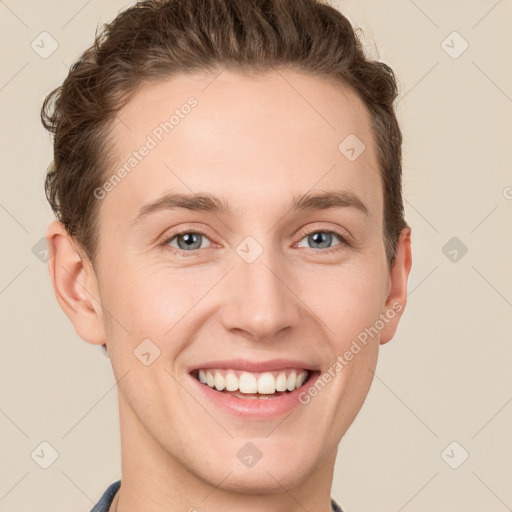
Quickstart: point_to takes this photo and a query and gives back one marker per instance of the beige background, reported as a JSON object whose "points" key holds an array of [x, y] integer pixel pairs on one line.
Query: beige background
{"points": [[445, 377]]}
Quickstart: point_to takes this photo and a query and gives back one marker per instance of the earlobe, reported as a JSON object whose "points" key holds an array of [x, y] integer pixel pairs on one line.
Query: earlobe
{"points": [[399, 275], [75, 284]]}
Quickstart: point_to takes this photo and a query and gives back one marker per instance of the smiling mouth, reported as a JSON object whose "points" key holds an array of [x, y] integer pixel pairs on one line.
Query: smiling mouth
{"points": [[249, 385]]}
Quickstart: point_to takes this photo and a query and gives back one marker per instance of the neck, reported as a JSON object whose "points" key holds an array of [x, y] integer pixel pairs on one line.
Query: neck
{"points": [[157, 480]]}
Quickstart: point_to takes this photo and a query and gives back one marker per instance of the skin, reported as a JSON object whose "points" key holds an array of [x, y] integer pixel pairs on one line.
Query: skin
{"points": [[255, 142]]}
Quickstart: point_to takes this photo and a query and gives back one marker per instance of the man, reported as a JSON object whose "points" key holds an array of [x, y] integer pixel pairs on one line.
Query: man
{"points": [[202, 151]]}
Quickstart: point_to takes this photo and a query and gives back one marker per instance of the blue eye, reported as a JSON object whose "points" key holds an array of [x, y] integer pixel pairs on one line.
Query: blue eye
{"points": [[187, 241], [324, 238]]}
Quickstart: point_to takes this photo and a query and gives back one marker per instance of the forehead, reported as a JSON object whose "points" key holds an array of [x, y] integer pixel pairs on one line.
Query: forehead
{"points": [[280, 134]]}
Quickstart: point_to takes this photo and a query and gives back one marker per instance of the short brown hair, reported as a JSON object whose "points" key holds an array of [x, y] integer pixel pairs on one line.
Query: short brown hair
{"points": [[156, 39]]}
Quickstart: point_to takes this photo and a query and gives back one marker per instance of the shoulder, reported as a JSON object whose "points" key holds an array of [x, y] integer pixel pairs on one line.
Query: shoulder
{"points": [[106, 500], [335, 507]]}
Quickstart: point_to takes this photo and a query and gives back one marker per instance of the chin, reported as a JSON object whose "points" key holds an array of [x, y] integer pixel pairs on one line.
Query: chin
{"points": [[260, 479]]}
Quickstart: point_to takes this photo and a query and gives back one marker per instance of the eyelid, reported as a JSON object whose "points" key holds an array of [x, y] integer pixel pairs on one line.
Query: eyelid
{"points": [[342, 233], [164, 237]]}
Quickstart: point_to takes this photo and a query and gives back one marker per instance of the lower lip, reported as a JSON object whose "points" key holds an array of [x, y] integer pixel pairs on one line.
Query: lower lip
{"points": [[256, 407]]}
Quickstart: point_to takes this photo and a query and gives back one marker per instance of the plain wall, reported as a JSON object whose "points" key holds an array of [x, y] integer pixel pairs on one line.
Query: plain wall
{"points": [[445, 376]]}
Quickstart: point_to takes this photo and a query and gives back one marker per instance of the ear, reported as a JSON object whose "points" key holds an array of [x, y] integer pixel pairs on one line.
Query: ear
{"points": [[398, 276], [75, 284]]}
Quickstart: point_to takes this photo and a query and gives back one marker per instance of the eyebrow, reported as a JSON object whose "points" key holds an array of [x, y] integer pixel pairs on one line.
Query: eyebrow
{"points": [[214, 204]]}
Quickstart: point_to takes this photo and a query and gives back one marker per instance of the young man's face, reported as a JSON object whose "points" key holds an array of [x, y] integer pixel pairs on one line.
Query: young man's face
{"points": [[250, 284]]}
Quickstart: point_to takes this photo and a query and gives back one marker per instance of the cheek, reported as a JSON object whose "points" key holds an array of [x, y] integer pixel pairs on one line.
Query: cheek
{"points": [[157, 303], [346, 299], [140, 302]]}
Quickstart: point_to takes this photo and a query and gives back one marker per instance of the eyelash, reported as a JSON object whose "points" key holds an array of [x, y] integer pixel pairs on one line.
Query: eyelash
{"points": [[344, 242]]}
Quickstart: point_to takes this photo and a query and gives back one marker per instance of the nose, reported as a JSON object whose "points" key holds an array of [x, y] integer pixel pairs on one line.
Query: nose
{"points": [[261, 302]]}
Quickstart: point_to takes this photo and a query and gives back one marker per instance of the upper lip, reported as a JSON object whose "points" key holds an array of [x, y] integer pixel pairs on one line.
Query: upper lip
{"points": [[253, 366]]}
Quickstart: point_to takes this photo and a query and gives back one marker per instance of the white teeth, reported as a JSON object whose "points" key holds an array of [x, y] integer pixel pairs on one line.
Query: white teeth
{"points": [[300, 380], [281, 382], [292, 380], [220, 384], [265, 383], [247, 383], [231, 382]]}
